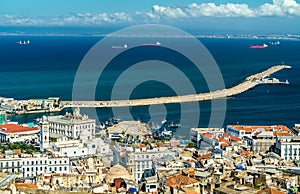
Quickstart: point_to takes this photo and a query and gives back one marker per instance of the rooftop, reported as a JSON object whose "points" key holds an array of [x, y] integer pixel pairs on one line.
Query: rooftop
{"points": [[248, 128], [180, 180], [13, 128]]}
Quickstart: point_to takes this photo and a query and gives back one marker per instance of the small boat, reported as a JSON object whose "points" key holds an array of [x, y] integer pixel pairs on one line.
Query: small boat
{"points": [[173, 125], [275, 43], [24, 42]]}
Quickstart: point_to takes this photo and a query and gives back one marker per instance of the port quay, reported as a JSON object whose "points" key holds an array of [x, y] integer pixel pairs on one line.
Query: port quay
{"points": [[250, 82], [55, 104]]}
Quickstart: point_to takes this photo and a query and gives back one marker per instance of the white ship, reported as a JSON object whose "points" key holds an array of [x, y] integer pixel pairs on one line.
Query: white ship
{"points": [[24, 42]]}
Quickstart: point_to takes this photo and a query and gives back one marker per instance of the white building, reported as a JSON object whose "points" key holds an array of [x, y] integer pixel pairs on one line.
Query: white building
{"points": [[73, 126], [28, 165], [139, 158], [288, 147], [11, 164], [17, 133], [75, 148], [242, 131], [196, 133]]}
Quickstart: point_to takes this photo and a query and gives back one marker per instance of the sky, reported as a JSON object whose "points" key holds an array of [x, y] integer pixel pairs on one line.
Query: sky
{"points": [[273, 16]]}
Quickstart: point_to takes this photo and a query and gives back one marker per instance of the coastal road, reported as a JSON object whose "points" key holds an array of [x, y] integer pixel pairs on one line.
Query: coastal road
{"points": [[250, 82]]}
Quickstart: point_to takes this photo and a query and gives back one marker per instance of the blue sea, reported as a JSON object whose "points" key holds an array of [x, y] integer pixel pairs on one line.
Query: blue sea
{"points": [[47, 67]]}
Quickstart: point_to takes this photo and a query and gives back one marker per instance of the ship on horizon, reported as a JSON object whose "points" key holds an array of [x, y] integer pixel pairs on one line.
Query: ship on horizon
{"points": [[258, 46], [119, 46], [151, 44], [25, 42]]}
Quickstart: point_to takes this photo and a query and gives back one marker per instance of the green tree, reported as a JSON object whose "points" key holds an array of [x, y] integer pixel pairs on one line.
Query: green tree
{"points": [[190, 145]]}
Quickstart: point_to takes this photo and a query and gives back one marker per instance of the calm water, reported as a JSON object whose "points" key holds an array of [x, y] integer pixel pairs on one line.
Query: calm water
{"points": [[48, 65]]}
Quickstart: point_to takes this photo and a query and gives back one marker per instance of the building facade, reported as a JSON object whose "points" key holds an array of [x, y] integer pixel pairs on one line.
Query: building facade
{"points": [[138, 159], [196, 133], [72, 126], [31, 166], [288, 147], [17, 133]]}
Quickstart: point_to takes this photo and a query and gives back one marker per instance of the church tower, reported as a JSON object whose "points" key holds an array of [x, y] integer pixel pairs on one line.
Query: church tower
{"points": [[44, 134]]}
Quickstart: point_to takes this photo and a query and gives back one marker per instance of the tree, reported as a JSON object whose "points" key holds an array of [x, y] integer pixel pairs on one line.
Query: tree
{"points": [[190, 145]]}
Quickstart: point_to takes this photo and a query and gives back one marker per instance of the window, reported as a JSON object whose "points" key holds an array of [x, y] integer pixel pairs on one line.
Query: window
{"points": [[65, 168], [93, 146]]}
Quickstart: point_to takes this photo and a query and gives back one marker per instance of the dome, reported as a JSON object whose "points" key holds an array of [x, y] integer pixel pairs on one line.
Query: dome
{"points": [[117, 171]]}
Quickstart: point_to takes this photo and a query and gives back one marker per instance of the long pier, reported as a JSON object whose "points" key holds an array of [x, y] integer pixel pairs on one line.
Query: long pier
{"points": [[250, 82]]}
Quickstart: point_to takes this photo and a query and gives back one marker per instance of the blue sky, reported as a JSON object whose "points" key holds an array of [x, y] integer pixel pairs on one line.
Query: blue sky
{"points": [[235, 15]]}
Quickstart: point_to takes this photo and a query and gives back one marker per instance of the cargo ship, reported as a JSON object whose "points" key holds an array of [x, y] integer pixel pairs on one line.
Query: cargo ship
{"points": [[258, 46], [151, 44]]}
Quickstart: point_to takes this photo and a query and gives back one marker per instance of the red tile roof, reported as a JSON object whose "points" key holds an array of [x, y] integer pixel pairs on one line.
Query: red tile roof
{"points": [[269, 190], [30, 185], [282, 134], [180, 180], [205, 156], [254, 128], [13, 128], [244, 153]]}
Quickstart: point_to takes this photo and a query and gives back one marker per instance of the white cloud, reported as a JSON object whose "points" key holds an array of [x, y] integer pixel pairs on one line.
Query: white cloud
{"points": [[158, 13], [172, 12], [277, 8], [73, 19]]}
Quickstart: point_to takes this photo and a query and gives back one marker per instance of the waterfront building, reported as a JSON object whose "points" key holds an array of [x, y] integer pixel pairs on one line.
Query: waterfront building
{"points": [[132, 129], [195, 134], [288, 147], [27, 165], [44, 104], [262, 141], [72, 126], [296, 129], [17, 133], [242, 131]]}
